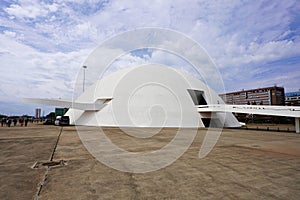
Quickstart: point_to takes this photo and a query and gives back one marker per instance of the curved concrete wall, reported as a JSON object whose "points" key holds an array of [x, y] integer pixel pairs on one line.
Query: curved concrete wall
{"points": [[147, 96]]}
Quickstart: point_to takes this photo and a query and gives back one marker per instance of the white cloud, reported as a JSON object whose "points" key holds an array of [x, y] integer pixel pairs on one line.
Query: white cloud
{"points": [[30, 9], [243, 38], [9, 34], [26, 72], [52, 7]]}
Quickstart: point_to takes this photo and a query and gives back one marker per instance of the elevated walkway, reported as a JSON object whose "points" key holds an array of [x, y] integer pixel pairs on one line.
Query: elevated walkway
{"points": [[285, 111]]}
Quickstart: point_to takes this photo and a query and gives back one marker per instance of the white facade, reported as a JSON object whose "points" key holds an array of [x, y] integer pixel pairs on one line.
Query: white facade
{"points": [[156, 96], [149, 96]]}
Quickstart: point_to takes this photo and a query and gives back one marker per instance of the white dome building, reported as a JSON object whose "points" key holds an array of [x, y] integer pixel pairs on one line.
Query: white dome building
{"points": [[156, 96], [148, 96]]}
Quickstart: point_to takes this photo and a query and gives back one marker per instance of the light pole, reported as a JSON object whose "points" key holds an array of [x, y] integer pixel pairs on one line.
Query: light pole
{"points": [[84, 68]]}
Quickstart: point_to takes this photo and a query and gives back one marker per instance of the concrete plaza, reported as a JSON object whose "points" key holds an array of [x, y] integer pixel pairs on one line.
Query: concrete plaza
{"points": [[245, 164]]}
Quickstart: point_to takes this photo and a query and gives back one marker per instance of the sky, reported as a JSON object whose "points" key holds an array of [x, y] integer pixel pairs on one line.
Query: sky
{"points": [[43, 44]]}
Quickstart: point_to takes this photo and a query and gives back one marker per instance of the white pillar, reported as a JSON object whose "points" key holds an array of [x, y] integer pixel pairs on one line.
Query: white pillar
{"points": [[297, 124]]}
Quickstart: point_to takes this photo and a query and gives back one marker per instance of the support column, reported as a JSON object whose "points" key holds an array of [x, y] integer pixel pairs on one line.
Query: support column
{"points": [[297, 124]]}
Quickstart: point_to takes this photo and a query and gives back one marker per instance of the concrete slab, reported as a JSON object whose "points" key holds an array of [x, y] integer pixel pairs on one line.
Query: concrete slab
{"points": [[20, 148], [243, 165]]}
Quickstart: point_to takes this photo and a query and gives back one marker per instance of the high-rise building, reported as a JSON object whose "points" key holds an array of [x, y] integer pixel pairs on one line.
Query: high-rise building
{"points": [[38, 112], [260, 96]]}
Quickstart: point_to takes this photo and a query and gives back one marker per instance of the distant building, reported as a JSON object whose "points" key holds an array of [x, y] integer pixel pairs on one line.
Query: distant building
{"points": [[292, 98], [264, 96], [38, 112]]}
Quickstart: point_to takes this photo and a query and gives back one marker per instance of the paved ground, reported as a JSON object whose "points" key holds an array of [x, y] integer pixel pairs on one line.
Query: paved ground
{"points": [[244, 165]]}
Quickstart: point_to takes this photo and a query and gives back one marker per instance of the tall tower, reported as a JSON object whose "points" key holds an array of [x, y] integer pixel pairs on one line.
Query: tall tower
{"points": [[38, 113]]}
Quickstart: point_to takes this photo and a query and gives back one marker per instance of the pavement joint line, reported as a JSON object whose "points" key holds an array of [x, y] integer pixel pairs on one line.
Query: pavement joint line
{"points": [[42, 184], [48, 167], [55, 146]]}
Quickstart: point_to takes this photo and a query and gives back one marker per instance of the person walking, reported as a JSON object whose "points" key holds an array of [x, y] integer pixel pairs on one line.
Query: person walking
{"points": [[15, 122], [8, 122], [26, 122], [21, 121]]}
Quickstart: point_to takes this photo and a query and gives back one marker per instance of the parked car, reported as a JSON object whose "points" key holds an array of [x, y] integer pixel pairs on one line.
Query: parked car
{"points": [[62, 121], [57, 121]]}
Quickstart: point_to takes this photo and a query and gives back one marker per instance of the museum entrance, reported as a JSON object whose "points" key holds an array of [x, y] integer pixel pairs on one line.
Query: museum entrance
{"points": [[211, 122], [197, 97]]}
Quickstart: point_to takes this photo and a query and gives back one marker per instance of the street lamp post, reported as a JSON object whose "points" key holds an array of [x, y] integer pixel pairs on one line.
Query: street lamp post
{"points": [[84, 68]]}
